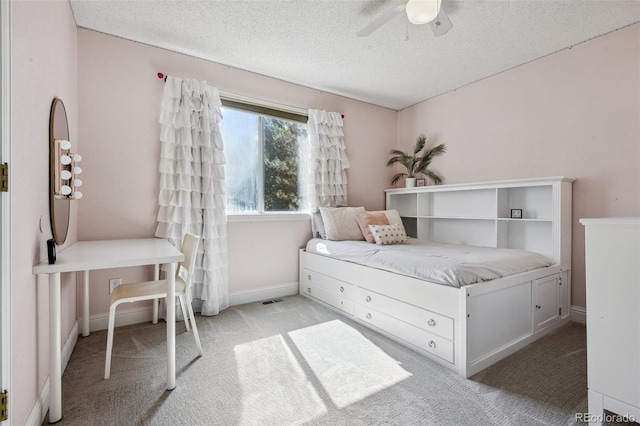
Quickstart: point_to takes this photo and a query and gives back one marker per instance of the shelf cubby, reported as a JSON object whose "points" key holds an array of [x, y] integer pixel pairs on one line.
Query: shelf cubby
{"points": [[480, 214]]}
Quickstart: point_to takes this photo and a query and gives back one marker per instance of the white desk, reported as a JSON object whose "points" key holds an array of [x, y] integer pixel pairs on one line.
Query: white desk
{"points": [[91, 255]]}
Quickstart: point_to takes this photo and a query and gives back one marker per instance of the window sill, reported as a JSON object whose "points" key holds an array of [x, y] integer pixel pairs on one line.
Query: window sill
{"points": [[268, 217]]}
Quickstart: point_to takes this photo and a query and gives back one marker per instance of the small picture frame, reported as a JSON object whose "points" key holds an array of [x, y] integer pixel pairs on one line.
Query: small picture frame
{"points": [[421, 182], [516, 213]]}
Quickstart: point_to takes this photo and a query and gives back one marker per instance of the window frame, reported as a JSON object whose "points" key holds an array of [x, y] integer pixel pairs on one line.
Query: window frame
{"points": [[272, 110]]}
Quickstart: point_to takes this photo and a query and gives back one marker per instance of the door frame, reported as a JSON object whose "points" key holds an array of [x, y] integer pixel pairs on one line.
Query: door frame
{"points": [[5, 206]]}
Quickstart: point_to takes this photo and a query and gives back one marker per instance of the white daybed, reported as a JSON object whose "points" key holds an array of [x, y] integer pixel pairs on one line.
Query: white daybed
{"points": [[465, 328]]}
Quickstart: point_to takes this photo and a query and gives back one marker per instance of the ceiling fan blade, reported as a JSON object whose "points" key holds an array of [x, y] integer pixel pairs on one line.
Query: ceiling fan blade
{"points": [[380, 20], [441, 25]]}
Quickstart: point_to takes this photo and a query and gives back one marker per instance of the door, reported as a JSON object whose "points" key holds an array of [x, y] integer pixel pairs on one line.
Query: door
{"points": [[546, 301]]}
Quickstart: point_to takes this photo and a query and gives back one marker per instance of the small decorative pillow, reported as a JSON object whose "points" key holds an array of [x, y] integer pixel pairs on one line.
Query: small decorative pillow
{"points": [[340, 223], [393, 217], [366, 219], [388, 234]]}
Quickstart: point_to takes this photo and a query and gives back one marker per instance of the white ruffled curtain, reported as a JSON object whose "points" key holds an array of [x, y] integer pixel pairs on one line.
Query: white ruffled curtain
{"points": [[192, 187], [328, 160]]}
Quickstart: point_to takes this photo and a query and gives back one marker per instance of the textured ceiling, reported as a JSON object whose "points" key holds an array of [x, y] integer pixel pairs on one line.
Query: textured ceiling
{"points": [[314, 42]]}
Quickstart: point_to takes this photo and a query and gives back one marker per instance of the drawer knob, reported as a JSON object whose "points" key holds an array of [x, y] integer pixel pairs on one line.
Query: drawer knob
{"points": [[309, 277], [308, 289], [368, 315], [341, 289], [538, 307], [431, 323], [432, 344], [368, 299]]}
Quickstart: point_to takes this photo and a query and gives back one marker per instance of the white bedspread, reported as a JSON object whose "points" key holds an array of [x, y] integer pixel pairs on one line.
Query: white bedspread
{"points": [[448, 264]]}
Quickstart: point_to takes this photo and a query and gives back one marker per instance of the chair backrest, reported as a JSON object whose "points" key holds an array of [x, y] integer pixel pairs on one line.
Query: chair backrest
{"points": [[190, 250]]}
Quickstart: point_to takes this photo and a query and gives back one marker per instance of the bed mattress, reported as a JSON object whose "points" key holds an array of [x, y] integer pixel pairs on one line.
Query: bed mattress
{"points": [[447, 264]]}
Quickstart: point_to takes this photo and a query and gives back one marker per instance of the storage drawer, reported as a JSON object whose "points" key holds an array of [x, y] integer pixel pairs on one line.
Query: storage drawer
{"points": [[424, 340], [332, 298], [421, 318], [329, 284]]}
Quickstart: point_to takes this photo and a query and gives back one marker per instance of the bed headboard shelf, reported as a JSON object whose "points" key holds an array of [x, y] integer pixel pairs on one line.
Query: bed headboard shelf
{"points": [[528, 214]]}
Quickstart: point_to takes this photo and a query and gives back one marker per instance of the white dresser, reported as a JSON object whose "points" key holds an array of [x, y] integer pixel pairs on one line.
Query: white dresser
{"points": [[612, 249]]}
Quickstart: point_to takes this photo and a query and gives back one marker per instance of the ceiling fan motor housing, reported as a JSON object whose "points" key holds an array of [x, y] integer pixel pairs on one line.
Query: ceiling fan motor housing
{"points": [[422, 11]]}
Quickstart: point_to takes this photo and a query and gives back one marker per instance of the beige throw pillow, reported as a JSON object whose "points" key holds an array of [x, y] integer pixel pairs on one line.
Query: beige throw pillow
{"points": [[340, 223], [366, 219]]}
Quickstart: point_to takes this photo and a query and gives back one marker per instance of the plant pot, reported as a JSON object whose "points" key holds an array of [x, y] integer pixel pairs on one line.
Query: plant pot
{"points": [[410, 182]]}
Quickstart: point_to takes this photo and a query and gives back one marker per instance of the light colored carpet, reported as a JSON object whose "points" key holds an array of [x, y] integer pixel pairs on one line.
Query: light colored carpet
{"points": [[296, 362]]}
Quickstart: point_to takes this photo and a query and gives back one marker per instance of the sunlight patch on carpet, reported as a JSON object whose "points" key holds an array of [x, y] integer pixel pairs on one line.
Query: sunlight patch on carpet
{"points": [[270, 375], [349, 366]]}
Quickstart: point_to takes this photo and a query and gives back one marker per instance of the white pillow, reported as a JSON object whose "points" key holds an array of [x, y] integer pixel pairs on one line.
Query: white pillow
{"points": [[393, 217], [340, 223], [388, 234], [319, 226]]}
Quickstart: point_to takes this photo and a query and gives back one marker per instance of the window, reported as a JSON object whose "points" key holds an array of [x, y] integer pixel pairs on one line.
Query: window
{"points": [[264, 149]]}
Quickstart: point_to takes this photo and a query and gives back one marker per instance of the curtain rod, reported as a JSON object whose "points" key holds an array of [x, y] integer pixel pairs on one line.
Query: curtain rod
{"points": [[231, 96]]}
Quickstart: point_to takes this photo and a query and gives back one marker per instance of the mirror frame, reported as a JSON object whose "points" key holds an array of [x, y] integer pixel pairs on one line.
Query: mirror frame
{"points": [[59, 208]]}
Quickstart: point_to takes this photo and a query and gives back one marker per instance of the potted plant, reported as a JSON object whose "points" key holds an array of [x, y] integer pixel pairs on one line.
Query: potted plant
{"points": [[416, 163]]}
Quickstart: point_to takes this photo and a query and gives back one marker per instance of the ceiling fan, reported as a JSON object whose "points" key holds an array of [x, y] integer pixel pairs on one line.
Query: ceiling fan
{"points": [[418, 12]]}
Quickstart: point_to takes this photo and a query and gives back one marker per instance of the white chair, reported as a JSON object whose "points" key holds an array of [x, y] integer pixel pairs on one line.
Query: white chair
{"points": [[157, 290]]}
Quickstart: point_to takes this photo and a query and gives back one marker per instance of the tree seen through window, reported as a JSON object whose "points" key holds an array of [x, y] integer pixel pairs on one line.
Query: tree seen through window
{"points": [[263, 167]]}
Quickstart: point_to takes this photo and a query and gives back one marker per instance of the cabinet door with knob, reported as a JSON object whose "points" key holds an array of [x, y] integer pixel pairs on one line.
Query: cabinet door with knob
{"points": [[546, 310]]}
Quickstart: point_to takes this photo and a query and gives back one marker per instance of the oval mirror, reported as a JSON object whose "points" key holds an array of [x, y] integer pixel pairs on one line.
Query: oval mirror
{"points": [[58, 207]]}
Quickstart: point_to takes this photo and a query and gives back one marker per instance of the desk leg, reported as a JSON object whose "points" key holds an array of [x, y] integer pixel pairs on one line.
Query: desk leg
{"points": [[55, 350], [85, 305], [156, 277], [171, 326]]}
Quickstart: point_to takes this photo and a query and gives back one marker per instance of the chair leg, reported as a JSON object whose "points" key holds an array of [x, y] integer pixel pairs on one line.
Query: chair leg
{"points": [[112, 320], [184, 311], [154, 318], [195, 328]]}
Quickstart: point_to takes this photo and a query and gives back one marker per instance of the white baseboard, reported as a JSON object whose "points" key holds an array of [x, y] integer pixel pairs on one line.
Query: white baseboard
{"points": [[134, 316], [140, 315], [251, 296], [67, 349], [579, 314], [41, 406]]}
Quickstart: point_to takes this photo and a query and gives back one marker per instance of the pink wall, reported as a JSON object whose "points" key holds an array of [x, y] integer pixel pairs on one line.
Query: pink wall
{"points": [[43, 66], [119, 98], [575, 113]]}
